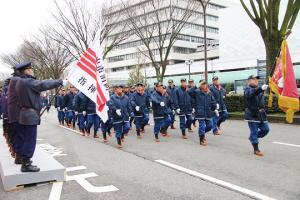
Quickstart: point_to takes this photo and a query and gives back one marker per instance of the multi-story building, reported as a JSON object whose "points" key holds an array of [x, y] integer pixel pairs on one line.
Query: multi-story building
{"points": [[188, 46]]}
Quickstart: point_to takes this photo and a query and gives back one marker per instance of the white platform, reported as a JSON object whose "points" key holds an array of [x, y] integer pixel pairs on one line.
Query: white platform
{"points": [[13, 178]]}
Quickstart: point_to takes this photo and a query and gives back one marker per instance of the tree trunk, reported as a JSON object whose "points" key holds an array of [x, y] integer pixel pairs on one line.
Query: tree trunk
{"points": [[272, 52]]}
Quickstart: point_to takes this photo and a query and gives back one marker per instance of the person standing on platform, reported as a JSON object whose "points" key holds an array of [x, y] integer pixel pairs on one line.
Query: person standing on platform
{"points": [[219, 94], [119, 105], [28, 94], [255, 113], [140, 103], [205, 105]]}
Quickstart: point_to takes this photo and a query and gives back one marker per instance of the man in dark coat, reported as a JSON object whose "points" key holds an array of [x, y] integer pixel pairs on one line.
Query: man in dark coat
{"points": [[255, 112], [59, 105], [184, 107], [140, 103], [219, 94], [28, 94], [69, 104], [205, 105], [4, 113], [119, 105], [161, 111], [80, 111], [171, 89]]}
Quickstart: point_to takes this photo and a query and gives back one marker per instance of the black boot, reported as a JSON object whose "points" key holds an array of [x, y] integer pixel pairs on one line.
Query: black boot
{"points": [[27, 167], [104, 136], [184, 135], [256, 150], [138, 132]]}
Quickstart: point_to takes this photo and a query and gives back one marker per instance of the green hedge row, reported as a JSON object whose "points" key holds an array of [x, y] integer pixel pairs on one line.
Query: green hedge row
{"points": [[235, 103]]}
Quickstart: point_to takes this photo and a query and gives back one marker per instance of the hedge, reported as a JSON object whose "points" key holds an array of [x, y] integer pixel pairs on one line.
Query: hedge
{"points": [[235, 103]]}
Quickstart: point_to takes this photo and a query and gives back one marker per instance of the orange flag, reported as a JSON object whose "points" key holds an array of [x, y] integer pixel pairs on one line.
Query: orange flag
{"points": [[283, 83]]}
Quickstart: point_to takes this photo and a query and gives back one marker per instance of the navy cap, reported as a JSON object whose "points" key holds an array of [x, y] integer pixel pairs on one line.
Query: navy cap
{"points": [[191, 80], [183, 80], [119, 86], [253, 77], [202, 82], [23, 66], [215, 78], [139, 84], [170, 81], [159, 84]]}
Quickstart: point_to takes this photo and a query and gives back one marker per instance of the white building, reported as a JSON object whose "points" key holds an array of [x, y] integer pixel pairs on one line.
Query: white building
{"points": [[240, 48], [189, 44]]}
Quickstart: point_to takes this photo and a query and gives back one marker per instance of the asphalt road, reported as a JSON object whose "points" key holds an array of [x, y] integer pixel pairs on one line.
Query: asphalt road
{"points": [[134, 170]]}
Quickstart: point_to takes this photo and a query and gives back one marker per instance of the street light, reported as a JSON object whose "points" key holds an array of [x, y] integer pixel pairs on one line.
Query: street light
{"points": [[189, 63], [204, 4]]}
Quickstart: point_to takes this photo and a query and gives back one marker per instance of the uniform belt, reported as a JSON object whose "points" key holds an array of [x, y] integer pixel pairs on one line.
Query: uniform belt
{"points": [[31, 109]]}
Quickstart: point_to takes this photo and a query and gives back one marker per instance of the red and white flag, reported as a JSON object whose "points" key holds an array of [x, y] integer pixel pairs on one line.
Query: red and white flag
{"points": [[88, 76]]}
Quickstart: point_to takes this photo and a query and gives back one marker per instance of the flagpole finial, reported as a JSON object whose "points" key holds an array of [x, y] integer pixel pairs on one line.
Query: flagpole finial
{"points": [[287, 34]]}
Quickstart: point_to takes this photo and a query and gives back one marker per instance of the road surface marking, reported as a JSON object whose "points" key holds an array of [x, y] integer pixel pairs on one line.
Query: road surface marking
{"points": [[218, 182], [287, 144], [56, 191], [70, 169]]}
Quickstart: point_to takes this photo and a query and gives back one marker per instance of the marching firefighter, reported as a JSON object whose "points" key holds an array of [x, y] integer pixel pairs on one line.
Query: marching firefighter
{"points": [[219, 94], [59, 105], [255, 112], [171, 89], [184, 107], [69, 105], [205, 105], [28, 94], [80, 101], [140, 103], [4, 113], [119, 105], [92, 119], [161, 112]]}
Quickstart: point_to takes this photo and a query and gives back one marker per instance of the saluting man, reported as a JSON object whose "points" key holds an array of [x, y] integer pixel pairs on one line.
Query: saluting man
{"points": [[28, 94], [255, 112], [184, 107], [119, 105], [205, 105], [219, 94], [140, 103]]}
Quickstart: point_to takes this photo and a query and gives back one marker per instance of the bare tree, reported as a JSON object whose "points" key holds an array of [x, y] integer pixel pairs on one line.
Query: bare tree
{"points": [[78, 26], [49, 57], [265, 15], [157, 23]]}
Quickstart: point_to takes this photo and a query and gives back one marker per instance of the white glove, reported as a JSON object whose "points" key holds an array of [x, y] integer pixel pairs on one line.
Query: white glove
{"points": [[217, 113], [218, 106], [65, 82], [118, 112], [178, 110], [193, 110], [84, 113], [150, 104], [264, 87], [162, 104], [173, 112], [137, 108], [76, 113]]}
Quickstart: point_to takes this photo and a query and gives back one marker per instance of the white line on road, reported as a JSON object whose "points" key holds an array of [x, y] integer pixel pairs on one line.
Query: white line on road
{"points": [[218, 182], [56, 191], [70, 169], [287, 144]]}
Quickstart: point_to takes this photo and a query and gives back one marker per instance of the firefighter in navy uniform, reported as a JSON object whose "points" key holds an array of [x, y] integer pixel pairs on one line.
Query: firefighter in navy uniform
{"points": [[69, 104], [140, 103], [171, 89], [255, 112], [59, 105], [80, 111], [219, 94], [184, 107], [119, 105], [205, 105], [92, 118], [28, 94], [8, 134]]}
